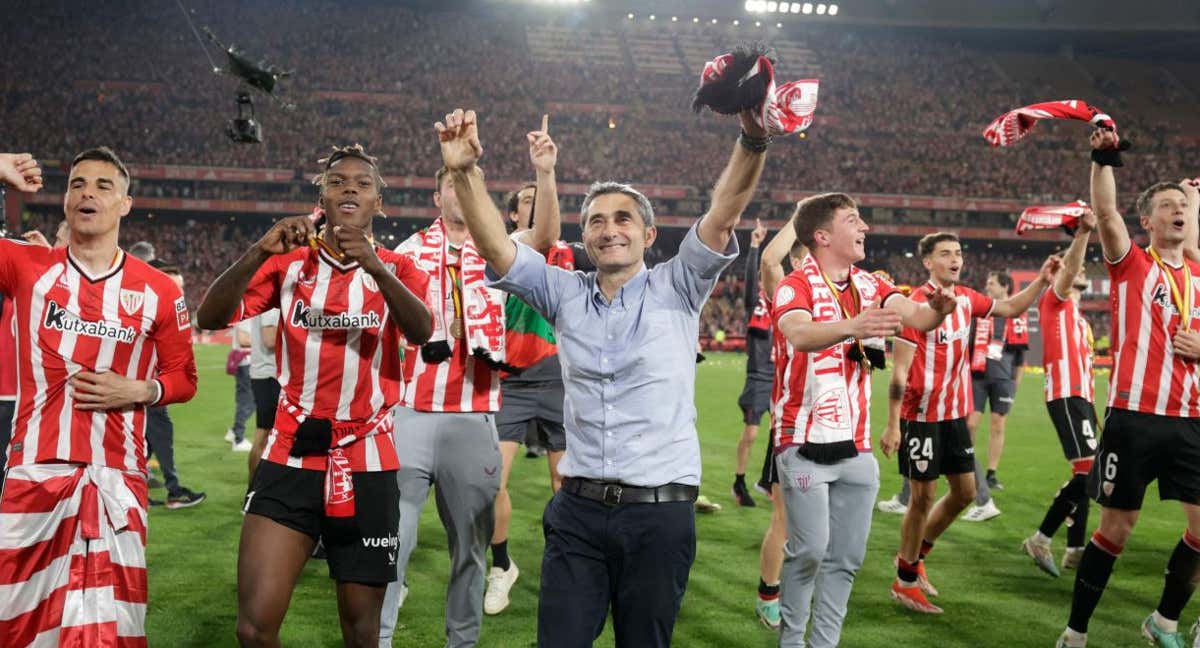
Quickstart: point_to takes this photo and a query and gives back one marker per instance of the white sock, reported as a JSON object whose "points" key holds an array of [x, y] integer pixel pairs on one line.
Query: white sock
{"points": [[1041, 538], [1077, 639], [1164, 624]]}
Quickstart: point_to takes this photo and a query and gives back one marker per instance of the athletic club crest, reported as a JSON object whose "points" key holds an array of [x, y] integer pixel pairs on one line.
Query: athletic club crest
{"points": [[832, 410], [368, 282], [131, 301], [803, 481], [1107, 487], [922, 465]]}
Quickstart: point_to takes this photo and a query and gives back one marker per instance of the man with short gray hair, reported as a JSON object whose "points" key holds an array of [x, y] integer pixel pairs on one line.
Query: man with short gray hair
{"points": [[621, 531]]}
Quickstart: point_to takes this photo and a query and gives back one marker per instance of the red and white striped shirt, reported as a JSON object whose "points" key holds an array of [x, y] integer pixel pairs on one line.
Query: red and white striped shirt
{"points": [[822, 397], [939, 386], [8, 351], [1147, 375], [131, 320], [1066, 348], [338, 351], [460, 383]]}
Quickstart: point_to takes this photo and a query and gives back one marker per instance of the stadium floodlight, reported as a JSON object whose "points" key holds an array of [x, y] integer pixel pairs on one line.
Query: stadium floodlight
{"points": [[674, 18], [795, 7], [807, 8], [784, 7], [751, 6], [736, 22], [630, 16], [779, 25], [772, 5], [695, 20], [833, 9], [714, 21], [820, 10], [652, 15], [757, 23]]}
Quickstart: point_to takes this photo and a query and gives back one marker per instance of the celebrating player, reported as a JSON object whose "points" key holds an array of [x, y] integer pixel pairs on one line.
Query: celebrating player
{"points": [[100, 336], [1067, 357], [928, 402], [1152, 427], [755, 399], [822, 313], [328, 471]]}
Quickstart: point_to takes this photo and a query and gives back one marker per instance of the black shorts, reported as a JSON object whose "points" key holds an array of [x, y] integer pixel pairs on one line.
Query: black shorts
{"points": [[755, 400], [359, 549], [928, 450], [536, 403], [1075, 420], [1018, 360], [770, 475], [998, 394], [266, 399], [1137, 449]]}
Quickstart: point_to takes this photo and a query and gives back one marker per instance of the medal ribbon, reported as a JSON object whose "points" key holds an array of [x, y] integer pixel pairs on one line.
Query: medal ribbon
{"points": [[456, 293], [1182, 300], [842, 307]]}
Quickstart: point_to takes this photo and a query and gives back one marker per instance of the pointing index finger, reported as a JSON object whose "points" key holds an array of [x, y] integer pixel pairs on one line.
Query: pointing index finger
{"points": [[545, 123]]}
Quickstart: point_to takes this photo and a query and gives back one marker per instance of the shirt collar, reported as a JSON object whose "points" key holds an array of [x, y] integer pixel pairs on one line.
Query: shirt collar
{"points": [[628, 294]]}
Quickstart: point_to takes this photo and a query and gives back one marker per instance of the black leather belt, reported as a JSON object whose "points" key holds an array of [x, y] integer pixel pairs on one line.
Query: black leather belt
{"points": [[614, 494]]}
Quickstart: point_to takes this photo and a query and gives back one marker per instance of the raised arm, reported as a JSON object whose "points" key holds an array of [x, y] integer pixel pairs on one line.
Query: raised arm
{"points": [[547, 221], [1114, 236], [20, 171], [735, 187], [770, 267], [1020, 302], [220, 304], [1191, 228], [1072, 261], [459, 137], [751, 288]]}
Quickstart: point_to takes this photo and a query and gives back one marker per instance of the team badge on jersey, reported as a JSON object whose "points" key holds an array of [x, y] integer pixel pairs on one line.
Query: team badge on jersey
{"points": [[368, 282], [833, 409], [131, 301]]}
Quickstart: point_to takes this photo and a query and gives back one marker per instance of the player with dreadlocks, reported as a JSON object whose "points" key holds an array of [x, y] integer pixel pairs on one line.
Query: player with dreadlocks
{"points": [[329, 468]]}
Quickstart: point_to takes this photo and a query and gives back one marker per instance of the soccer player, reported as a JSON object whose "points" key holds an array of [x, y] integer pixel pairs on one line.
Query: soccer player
{"points": [[100, 336], [1067, 358], [823, 312], [928, 401], [756, 391], [1152, 427], [328, 470], [533, 397], [993, 375]]}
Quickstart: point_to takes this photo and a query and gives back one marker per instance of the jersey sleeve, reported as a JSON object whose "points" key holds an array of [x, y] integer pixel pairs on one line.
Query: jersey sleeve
{"points": [[11, 254], [172, 339], [413, 278], [1135, 262], [262, 293], [793, 293], [908, 333], [884, 289], [981, 304]]}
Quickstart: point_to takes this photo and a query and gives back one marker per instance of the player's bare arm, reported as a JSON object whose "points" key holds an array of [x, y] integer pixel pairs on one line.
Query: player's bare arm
{"points": [[928, 316], [1114, 236], [806, 335], [1072, 261], [224, 295], [1191, 228], [733, 190], [405, 309], [110, 391], [770, 266], [902, 355], [1020, 302], [547, 222], [459, 137], [20, 171]]}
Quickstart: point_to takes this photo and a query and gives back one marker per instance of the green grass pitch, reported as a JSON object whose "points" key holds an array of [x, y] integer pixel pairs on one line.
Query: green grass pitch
{"points": [[992, 593]]}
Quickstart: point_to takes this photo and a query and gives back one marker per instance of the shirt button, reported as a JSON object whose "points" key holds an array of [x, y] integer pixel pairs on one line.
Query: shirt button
{"points": [[606, 381], [609, 462], [608, 407], [610, 336], [608, 434], [603, 359]]}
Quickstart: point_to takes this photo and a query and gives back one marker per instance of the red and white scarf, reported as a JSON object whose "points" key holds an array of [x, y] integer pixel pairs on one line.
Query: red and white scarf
{"points": [[1009, 128], [482, 307], [784, 110], [1039, 217]]}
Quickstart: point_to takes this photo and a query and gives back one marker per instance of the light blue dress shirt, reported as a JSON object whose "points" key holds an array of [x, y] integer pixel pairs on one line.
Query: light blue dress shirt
{"points": [[629, 365]]}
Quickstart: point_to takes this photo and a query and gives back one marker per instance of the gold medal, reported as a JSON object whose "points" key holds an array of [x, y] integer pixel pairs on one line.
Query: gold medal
{"points": [[456, 329]]}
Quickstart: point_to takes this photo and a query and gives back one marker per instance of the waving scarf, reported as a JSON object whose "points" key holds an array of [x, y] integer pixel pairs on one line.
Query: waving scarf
{"points": [[1009, 128]]}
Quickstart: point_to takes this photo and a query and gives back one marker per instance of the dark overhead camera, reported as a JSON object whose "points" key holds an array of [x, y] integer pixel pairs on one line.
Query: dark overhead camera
{"points": [[244, 129]]}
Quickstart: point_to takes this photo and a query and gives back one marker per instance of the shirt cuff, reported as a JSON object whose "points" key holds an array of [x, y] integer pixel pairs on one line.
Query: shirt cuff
{"points": [[158, 393]]}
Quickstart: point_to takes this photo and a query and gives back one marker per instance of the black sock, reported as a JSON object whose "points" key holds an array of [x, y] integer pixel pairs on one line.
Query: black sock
{"points": [[767, 592], [1077, 532], [906, 571], [739, 479], [1094, 569], [1183, 570], [991, 474], [500, 555], [1064, 505], [926, 547]]}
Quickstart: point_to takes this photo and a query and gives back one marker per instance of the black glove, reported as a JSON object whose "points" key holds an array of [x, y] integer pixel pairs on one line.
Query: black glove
{"points": [[1111, 156], [313, 437]]}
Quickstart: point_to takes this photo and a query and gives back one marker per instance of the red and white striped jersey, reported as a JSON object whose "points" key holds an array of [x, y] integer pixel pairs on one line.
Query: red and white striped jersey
{"points": [[821, 397], [1066, 348], [1147, 375], [337, 350], [939, 386], [131, 320], [460, 383], [8, 351]]}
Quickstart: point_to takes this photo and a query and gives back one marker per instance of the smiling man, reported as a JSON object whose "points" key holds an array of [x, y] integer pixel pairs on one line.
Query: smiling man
{"points": [[621, 532], [328, 471], [929, 398], [100, 336]]}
